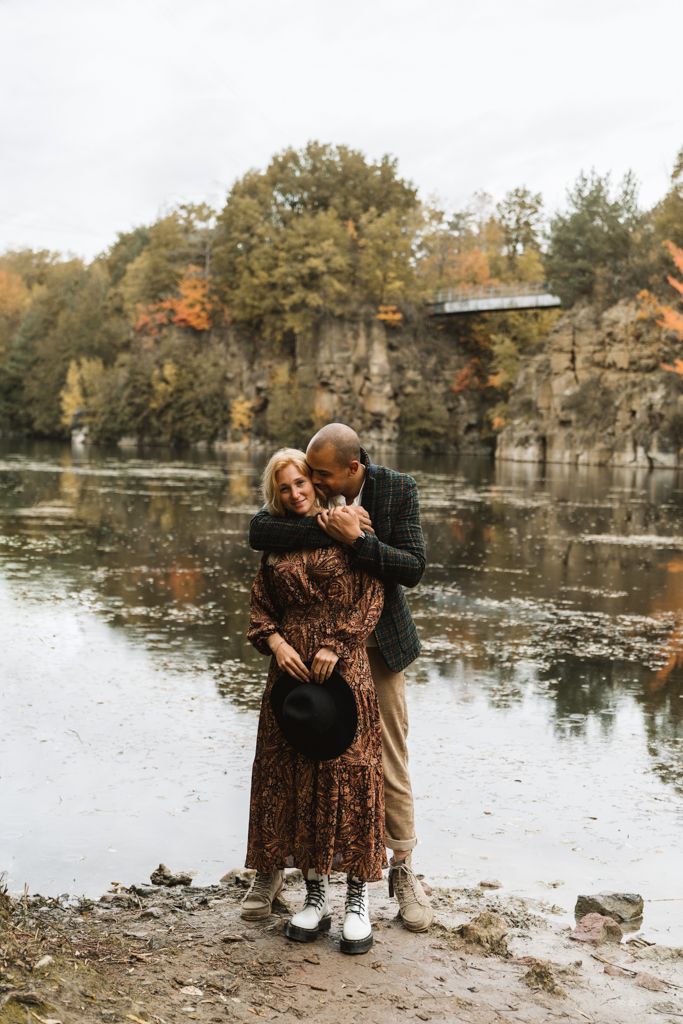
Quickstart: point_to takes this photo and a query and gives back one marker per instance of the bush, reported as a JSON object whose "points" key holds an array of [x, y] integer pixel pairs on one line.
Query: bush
{"points": [[423, 423], [289, 419]]}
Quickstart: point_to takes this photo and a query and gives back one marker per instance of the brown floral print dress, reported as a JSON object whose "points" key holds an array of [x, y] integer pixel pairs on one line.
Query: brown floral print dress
{"points": [[325, 815]]}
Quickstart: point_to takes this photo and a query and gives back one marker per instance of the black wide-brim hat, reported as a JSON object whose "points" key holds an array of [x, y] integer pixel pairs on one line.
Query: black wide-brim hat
{"points": [[318, 719]]}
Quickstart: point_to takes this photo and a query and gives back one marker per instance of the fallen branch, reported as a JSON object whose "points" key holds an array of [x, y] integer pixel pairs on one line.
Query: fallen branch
{"points": [[602, 960]]}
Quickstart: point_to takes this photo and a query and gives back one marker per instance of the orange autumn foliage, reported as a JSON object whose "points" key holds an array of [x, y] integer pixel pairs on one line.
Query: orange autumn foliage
{"points": [[193, 308], [391, 316], [470, 378], [670, 318], [676, 368], [472, 267]]}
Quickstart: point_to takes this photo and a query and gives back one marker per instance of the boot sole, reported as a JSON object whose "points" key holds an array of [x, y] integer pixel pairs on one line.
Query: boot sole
{"points": [[355, 946], [297, 934], [260, 915], [413, 928]]}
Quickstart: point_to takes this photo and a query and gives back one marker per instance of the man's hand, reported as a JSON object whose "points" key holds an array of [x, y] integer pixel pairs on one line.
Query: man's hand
{"points": [[342, 523], [364, 520], [322, 665]]}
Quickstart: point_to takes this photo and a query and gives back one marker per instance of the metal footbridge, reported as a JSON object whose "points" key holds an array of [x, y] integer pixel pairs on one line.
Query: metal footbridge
{"points": [[492, 298]]}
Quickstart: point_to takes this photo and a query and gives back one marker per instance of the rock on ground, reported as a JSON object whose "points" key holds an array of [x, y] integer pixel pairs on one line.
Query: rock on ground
{"points": [[487, 930], [162, 876], [541, 977], [622, 906], [650, 982], [597, 928]]}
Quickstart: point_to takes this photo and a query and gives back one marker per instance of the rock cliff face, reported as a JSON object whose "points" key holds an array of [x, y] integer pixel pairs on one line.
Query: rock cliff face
{"points": [[393, 385], [596, 394]]}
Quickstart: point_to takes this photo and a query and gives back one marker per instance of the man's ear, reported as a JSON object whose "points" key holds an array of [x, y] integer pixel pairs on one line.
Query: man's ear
{"points": [[353, 467]]}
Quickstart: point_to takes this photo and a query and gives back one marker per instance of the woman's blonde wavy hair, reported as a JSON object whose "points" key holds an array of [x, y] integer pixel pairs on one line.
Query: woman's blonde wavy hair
{"points": [[269, 488]]}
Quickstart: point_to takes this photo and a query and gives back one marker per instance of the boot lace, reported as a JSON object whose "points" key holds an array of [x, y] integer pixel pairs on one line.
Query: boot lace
{"points": [[315, 894], [401, 882], [261, 887], [355, 897]]}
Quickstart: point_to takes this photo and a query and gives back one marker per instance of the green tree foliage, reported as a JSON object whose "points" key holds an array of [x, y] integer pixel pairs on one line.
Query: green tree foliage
{"points": [[520, 216], [289, 419], [138, 342], [127, 248], [667, 215], [600, 248], [319, 232], [423, 424], [70, 315]]}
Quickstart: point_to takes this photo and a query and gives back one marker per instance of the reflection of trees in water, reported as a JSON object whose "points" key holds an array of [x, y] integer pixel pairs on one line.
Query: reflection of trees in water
{"points": [[158, 550], [660, 697], [586, 688], [508, 577]]}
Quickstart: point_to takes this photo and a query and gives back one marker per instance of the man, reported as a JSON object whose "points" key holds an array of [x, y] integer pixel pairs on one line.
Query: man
{"points": [[384, 536]]}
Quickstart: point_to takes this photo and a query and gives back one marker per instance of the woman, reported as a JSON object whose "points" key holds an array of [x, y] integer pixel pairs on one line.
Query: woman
{"points": [[312, 606]]}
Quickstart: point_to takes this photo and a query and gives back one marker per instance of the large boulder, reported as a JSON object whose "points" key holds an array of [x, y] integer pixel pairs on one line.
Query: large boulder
{"points": [[621, 906]]}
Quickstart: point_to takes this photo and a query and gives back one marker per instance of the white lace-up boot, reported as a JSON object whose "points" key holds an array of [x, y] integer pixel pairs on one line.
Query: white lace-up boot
{"points": [[357, 931], [315, 915]]}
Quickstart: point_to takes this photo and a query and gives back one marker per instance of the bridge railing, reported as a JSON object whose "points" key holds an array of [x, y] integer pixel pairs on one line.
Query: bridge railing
{"points": [[489, 291]]}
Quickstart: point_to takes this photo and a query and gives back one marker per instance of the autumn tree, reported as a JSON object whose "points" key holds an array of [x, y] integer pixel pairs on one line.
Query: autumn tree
{"points": [[319, 232], [14, 298], [520, 216], [669, 317]]}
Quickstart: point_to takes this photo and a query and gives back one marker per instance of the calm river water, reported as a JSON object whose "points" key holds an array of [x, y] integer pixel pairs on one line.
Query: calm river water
{"points": [[546, 709]]}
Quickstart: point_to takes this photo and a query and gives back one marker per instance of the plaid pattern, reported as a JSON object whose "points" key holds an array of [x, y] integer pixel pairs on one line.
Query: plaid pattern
{"points": [[395, 553]]}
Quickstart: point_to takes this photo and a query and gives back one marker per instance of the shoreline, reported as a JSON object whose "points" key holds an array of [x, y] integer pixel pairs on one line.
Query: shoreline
{"points": [[147, 953]]}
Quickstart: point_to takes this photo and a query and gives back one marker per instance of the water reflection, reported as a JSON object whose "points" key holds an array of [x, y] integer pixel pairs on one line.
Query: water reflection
{"points": [[552, 604]]}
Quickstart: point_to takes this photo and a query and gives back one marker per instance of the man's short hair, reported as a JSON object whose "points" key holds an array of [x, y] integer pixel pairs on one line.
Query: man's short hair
{"points": [[342, 439]]}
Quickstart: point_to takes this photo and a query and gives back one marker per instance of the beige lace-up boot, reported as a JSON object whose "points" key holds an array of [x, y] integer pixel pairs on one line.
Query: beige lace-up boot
{"points": [[264, 890], [413, 903]]}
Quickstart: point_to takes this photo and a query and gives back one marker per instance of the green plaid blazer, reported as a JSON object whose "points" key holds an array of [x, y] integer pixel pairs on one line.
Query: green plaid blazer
{"points": [[395, 553]]}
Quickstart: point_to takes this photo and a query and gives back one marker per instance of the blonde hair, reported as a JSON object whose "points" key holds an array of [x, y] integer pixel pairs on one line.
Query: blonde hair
{"points": [[269, 488]]}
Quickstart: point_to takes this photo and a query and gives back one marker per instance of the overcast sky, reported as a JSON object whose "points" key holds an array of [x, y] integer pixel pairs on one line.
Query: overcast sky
{"points": [[112, 110]]}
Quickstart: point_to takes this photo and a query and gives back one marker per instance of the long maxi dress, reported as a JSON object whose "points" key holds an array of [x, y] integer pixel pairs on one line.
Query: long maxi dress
{"points": [[325, 815]]}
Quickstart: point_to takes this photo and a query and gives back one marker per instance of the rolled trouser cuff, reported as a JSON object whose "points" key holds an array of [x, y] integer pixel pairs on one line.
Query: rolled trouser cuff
{"points": [[400, 845]]}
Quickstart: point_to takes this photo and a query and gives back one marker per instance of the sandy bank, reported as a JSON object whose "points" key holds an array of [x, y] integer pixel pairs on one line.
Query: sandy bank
{"points": [[169, 955]]}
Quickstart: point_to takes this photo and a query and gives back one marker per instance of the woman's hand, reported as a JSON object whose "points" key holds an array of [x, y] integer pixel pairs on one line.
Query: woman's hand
{"points": [[289, 661], [323, 663]]}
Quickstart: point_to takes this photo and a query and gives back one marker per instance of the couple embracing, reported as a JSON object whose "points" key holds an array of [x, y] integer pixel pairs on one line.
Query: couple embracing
{"points": [[330, 786]]}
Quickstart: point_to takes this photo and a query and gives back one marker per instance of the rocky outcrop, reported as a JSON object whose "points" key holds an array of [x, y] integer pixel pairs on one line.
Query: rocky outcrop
{"points": [[394, 385], [596, 394]]}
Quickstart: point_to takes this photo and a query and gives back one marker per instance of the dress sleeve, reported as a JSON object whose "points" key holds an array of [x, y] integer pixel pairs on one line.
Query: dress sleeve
{"points": [[360, 617], [264, 620]]}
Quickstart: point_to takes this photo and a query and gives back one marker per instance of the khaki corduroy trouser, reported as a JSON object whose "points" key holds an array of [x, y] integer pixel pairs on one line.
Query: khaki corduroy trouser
{"points": [[398, 792]]}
